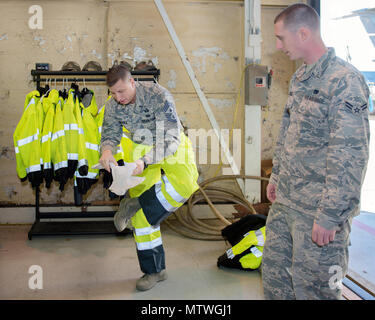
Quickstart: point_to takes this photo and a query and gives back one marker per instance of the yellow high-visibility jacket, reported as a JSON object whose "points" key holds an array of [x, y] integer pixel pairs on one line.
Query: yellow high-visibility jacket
{"points": [[59, 154], [71, 132], [91, 138], [26, 139], [46, 138]]}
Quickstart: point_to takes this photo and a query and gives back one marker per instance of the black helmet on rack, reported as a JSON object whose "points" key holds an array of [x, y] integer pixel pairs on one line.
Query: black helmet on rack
{"points": [[145, 66], [124, 63], [70, 66], [92, 66]]}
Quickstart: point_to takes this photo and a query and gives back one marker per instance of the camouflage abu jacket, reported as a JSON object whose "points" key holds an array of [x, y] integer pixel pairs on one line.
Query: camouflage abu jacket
{"points": [[152, 120], [322, 150]]}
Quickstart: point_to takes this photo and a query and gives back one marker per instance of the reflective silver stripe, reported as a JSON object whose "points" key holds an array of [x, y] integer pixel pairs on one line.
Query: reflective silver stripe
{"points": [[46, 137], [80, 131], [230, 253], [146, 231], [100, 129], [149, 244], [125, 136], [62, 164], [47, 165], [58, 134], [32, 101], [28, 139], [16, 150], [71, 126], [171, 191], [90, 175], [73, 156], [83, 162], [92, 146], [33, 168], [256, 252], [163, 201], [260, 237]]}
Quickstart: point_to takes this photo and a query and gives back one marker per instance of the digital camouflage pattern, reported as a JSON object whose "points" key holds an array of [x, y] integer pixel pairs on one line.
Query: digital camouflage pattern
{"points": [[319, 165], [322, 150], [151, 120], [295, 267]]}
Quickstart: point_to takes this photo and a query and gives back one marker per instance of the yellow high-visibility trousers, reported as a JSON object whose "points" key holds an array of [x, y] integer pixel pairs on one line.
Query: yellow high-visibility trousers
{"points": [[168, 185]]}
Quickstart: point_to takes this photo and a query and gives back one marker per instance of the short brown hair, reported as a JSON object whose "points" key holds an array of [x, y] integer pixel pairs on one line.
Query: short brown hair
{"points": [[117, 72], [299, 15]]}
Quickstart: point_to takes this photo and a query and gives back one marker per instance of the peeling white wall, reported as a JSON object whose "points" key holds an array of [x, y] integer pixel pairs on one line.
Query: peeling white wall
{"points": [[82, 30]]}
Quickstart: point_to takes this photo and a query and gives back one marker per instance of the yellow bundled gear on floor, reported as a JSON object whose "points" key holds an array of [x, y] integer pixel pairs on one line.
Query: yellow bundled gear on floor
{"points": [[247, 237]]}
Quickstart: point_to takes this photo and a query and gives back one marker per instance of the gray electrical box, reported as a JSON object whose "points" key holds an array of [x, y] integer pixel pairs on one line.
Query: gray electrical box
{"points": [[256, 85]]}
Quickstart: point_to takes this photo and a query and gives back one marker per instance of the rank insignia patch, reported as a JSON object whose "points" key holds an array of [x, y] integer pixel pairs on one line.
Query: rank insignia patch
{"points": [[356, 109]]}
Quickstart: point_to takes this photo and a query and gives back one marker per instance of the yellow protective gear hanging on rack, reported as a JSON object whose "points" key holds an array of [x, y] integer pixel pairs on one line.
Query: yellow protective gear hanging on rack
{"points": [[40, 114], [26, 139], [46, 138], [99, 120], [71, 133], [59, 154], [82, 166], [119, 156], [32, 94], [91, 136]]}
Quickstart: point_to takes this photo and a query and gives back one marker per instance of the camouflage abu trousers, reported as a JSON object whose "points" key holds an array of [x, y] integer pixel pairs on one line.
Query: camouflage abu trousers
{"points": [[293, 266]]}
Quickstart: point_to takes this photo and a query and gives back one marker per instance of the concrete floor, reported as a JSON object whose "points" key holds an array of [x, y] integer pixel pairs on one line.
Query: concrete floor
{"points": [[106, 267]]}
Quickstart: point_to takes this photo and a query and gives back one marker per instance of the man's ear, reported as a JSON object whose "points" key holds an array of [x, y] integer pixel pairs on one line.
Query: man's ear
{"points": [[304, 34]]}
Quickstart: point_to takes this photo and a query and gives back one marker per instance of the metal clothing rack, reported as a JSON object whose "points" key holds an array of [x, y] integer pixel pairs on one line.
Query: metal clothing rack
{"points": [[56, 223], [87, 76]]}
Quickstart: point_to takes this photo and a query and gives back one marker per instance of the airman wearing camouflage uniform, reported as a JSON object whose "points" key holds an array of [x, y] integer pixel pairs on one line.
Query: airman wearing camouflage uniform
{"points": [[155, 142], [319, 165]]}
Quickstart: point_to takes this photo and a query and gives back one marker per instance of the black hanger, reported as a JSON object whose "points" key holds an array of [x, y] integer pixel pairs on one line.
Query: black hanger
{"points": [[63, 94], [85, 90], [77, 94], [42, 91], [74, 86]]}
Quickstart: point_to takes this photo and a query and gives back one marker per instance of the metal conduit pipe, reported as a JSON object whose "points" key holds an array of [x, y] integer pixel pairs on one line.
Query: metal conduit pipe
{"points": [[192, 227]]}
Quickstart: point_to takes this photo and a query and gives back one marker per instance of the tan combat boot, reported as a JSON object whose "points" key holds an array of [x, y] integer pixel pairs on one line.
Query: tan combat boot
{"points": [[147, 281]]}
